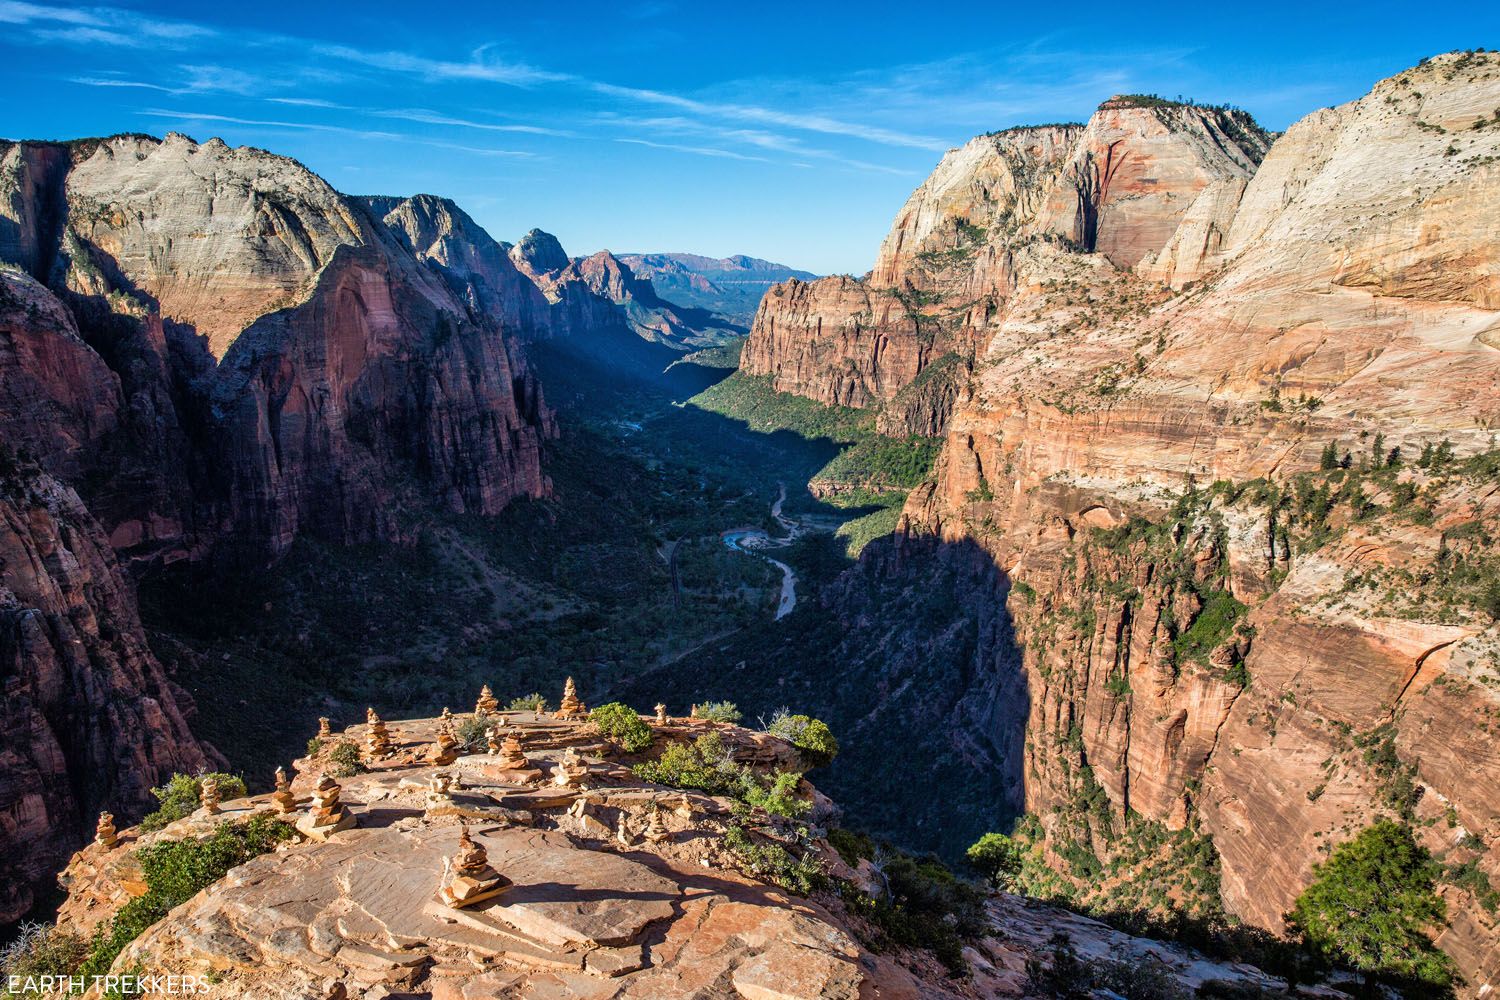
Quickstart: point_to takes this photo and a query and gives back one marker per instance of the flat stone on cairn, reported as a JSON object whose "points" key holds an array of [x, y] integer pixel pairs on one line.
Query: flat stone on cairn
{"points": [[105, 834], [487, 704], [326, 816], [377, 738], [571, 707], [284, 800], [468, 878], [208, 794]]}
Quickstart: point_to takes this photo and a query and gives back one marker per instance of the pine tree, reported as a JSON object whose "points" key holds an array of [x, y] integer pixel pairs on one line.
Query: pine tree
{"points": [[1330, 457], [1370, 906]]}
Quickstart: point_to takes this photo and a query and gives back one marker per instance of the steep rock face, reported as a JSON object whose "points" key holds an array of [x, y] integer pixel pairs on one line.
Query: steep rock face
{"points": [[1347, 299], [479, 270], [1118, 186], [160, 243], [58, 398], [601, 293], [325, 407], [91, 720], [214, 236]]}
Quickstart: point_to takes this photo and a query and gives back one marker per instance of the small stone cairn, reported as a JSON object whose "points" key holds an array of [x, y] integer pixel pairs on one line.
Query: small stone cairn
{"points": [[282, 798], [468, 878], [208, 795], [105, 834], [377, 737], [571, 708], [487, 704], [327, 815]]}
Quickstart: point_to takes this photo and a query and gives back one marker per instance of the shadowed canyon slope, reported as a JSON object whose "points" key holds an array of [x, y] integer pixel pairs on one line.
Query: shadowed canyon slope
{"points": [[1200, 387], [206, 353]]}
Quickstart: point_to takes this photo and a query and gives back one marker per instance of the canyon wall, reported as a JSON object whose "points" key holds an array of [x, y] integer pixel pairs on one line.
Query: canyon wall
{"points": [[945, 277], [1229, 449]]}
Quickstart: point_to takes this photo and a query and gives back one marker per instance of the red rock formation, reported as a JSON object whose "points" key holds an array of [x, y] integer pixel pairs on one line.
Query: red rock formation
{"points": [[945, 277], [91, 720], [1345, 292]]}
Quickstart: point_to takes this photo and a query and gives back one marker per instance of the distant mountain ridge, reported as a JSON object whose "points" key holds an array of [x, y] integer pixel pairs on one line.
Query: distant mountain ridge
{"points": [[730, 286]]}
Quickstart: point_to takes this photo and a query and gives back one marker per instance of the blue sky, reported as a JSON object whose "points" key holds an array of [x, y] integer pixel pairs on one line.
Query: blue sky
{"points": [[786, 131]]}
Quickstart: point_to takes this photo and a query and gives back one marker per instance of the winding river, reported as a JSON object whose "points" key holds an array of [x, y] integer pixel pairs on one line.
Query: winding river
{"points": [[754, 541]]}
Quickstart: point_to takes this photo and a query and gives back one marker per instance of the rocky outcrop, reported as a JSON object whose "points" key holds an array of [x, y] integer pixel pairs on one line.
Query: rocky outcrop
{"points": [[381, 345], [1278, 660], [615, 888], [479, 270], [91, 720], [601, 293], [945, 277], [729, 286]]}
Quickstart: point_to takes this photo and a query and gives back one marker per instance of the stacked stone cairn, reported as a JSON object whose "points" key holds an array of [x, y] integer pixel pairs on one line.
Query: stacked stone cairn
{"points": [[326, 815], [468, 878]]}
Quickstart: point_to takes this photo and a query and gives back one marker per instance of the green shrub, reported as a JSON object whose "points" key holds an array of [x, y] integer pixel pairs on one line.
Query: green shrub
{"points": [[622, 725], [175, 871], [40, 950], [180, 796], [313, 746], [345, 759], [1371, 904], [705, 765], [921, 905], [720, 711], [532, 702], [471, 735], [810, 736], [997, 858], [772, 862]]}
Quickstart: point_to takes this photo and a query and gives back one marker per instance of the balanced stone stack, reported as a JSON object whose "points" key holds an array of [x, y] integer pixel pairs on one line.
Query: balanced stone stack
{"points": [[327, 815], [661, 714], [445, 750], [656, 827], [208, 794], [468, 878], [487, 704], [571, 771], [512, 757], [377, 738], [571, 707], [105, 834], [282, 798], [325, 730], [439, 792], [493, 740]]}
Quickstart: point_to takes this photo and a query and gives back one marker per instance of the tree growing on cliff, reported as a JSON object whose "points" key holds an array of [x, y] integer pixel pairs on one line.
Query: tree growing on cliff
{"points": [[1370, 906], [997, 858]]}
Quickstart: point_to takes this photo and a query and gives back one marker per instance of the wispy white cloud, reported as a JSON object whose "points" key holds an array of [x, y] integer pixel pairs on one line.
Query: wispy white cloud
{"points": [[771, 116], [205, 117], [112, 26], [427, 117], [722, 154], [95, 81], [492, 71]]}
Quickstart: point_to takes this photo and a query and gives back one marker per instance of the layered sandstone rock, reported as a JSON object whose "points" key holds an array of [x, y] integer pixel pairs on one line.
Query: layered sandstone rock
{"points": [[601, 293], [946, 275], [91, 720], [616, 888], [1343, 293]]}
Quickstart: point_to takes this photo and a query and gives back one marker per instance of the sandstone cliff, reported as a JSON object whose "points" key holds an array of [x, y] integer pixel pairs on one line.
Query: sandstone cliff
{"points": [[1279, 659], [600, 293], [91, 721], [946, 277]]}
